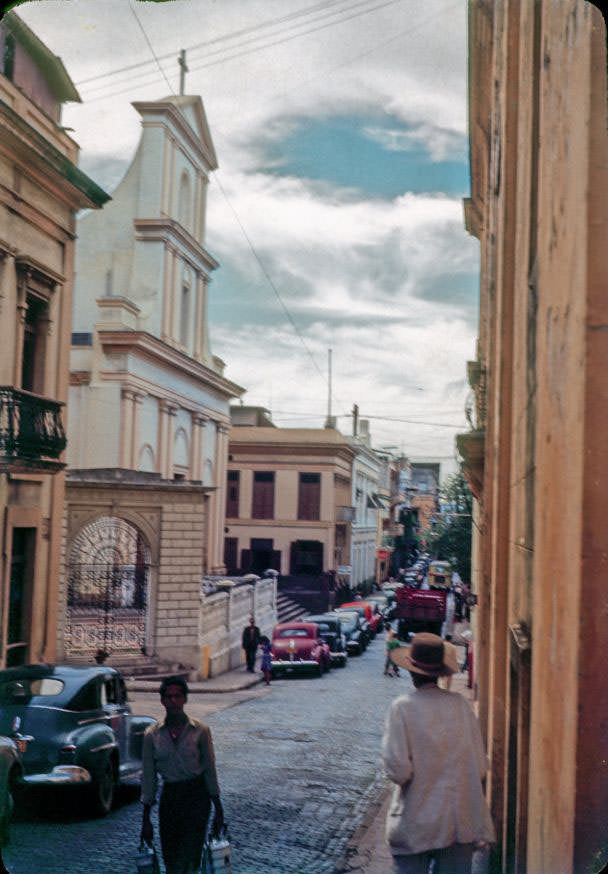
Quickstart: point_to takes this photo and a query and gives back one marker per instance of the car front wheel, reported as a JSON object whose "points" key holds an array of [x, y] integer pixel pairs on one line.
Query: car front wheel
{"points": [[102, 790]]}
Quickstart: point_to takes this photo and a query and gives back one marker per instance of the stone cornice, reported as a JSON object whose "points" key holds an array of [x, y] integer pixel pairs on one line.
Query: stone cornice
{"points": [[33, 147], [167, 230], [161, 352], [159, 107]]}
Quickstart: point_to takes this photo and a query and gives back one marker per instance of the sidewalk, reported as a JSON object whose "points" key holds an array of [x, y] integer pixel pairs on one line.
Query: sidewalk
{"points": [[367, 851], [230, 681]]}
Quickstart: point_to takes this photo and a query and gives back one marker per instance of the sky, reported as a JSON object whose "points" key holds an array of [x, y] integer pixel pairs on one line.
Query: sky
{"points": [[336, 214]]}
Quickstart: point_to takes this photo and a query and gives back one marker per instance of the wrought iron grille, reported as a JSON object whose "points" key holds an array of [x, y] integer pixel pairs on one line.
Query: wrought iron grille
{"points": [[107, 597], [30, 425]]}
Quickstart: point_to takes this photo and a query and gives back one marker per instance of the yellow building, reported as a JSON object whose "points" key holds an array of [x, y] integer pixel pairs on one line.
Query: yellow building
{"points": [[536, 456], [288, 500], [41, 188]]}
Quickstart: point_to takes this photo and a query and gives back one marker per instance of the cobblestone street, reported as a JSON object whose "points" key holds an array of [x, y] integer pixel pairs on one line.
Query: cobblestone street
{"points": [[298, 766]]}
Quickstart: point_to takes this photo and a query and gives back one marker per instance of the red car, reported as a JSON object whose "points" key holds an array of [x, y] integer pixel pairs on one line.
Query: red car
{"points": [[374, 619], [298, 646]]}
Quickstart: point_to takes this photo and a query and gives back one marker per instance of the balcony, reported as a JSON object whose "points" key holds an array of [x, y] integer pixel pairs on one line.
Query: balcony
{"points": [[31, 432], [471, 446], [345, 514]]}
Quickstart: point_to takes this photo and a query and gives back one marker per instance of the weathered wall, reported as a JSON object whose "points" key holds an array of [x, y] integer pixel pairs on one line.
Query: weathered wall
{"points": [[224, 615], [539, 186]]}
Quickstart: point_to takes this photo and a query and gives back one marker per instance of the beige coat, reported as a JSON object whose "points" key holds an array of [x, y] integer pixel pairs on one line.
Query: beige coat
{"points": [[433, 752]]}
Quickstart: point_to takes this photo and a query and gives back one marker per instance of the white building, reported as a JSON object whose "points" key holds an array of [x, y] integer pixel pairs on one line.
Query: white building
{"points": [[366, 471], [147, 397]]}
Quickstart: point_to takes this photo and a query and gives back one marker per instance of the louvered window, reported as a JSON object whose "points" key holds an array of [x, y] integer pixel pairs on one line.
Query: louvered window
{"points": [[263, 495], [232, 494], [309, 496]]}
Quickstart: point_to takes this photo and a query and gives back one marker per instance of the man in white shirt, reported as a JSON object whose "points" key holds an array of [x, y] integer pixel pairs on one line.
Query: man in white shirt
{"points": [[433, 753]]}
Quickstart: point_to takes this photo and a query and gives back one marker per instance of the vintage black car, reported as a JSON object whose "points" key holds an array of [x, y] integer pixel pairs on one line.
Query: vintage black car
{"points": [[78, 724], [330, 630], [356, 640], [364, 627]]}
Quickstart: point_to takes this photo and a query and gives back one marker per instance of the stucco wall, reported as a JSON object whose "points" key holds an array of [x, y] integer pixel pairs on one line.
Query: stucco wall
{"points": [[224, 615]]}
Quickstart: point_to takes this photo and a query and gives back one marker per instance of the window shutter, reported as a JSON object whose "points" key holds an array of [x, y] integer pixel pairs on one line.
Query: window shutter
{"points": [[263, 495], [309, 496], [232, 494]]}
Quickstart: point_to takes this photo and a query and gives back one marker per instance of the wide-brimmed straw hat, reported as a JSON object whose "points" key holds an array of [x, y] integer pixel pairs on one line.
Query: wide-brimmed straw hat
{"points": [[427, 655]]}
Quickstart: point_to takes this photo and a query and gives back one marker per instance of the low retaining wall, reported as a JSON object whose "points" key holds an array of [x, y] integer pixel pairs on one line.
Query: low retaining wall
{"points": [[224, 614]]}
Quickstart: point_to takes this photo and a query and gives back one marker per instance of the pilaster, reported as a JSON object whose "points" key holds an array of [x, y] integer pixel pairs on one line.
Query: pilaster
{"points": [[126, 426]]}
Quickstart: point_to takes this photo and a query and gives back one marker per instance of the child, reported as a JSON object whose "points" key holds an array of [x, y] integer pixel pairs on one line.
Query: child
{"points": [[266, 665], [391, 643]]}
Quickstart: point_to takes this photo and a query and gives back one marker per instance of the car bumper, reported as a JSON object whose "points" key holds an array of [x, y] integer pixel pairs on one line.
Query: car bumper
{"points": [[61, 775], [354, 645], [338, 656], [296, 663]]}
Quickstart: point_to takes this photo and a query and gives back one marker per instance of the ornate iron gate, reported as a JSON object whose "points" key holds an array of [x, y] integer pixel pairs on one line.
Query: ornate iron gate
{"points": [[107, 597]]}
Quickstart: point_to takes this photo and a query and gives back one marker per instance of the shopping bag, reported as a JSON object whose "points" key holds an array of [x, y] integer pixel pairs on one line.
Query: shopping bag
{"points": [[217, 854], [146, 860]]}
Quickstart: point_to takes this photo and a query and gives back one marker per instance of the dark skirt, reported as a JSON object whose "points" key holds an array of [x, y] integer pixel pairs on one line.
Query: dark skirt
{"points": [[183, 814]]}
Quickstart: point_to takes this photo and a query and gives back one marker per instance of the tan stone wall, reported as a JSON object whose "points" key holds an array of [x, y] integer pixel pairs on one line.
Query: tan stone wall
{"points": [[173, 522], [540, 555], [223, 616]]}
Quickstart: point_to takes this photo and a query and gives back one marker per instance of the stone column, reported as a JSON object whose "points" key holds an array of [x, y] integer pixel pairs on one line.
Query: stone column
{"points": [[167, 413], [165, 326], [198, 430], [126, 426], [172, 326], [221, 462], [20, 325], [138, 399]]}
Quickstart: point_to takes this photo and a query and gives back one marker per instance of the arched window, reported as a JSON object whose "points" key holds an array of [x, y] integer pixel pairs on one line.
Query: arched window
{"points": [[147, 461], [185, 201], [181, 451]]}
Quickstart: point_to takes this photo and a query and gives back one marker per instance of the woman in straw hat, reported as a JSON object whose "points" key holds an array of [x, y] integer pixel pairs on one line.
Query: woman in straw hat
{"points": [[433, 753]]}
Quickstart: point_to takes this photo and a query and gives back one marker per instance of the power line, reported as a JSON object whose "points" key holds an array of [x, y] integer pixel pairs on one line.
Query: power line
{"points": [[252, 50], [407, 421], [269, 278], [223, 37], [150, 47]]}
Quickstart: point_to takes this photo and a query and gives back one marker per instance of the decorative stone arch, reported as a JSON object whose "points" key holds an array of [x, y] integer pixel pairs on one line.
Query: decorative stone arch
{"points": [[208, 477], [181, 449], [108, 587], [150, 531], [147, 459]]}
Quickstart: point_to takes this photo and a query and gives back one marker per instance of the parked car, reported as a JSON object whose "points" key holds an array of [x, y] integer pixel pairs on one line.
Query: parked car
{"points": [[331, 632], [382, 603], [80, 727], [10, 776], [373, 619], [299, 646], [350, 622]]}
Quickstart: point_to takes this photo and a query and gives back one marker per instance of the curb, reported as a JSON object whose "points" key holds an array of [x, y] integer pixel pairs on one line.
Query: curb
{"points": [[196, 688]]}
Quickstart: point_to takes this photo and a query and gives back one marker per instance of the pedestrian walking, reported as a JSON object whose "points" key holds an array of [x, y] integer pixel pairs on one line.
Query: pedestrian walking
{"points": [[250, 643], [180, 749], [266, 664], [433, 753], [391, 643]]}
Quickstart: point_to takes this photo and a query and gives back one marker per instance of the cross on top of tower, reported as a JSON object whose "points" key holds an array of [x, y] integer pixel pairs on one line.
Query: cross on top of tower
{"points": [[183, 70]]}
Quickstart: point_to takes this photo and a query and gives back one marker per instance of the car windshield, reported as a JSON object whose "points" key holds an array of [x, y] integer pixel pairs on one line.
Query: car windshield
{"points": [[348, 620], [293, 632], [27, 689]]}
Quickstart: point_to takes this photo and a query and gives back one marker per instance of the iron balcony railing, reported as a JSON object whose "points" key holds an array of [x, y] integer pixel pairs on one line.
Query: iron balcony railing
{"points": [[345, 514], [31, 431]]}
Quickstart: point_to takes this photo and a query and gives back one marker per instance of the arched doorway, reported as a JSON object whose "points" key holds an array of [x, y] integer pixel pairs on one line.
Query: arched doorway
{"points": [[108, 577]]}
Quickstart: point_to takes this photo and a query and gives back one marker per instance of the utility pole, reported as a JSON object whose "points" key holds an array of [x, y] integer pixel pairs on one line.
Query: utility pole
{"points": [[183, 70], [329, 385], [355, 419]]}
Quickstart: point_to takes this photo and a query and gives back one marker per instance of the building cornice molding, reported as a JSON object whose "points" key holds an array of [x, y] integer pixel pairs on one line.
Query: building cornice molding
{"points": [[32, 147], [205, 153], [161, 352], [169, 231]]}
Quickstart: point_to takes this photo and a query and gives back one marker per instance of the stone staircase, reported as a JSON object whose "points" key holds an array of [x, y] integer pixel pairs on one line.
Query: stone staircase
{"points": [[289, 610], [137, 665]]}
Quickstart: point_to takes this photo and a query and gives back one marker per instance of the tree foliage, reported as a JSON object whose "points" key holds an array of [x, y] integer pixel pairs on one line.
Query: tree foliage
{"points": [[452, 536]]}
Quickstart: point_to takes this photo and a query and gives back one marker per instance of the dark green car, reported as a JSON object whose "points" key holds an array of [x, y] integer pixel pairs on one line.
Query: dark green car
{"points": [[79, 727]]}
